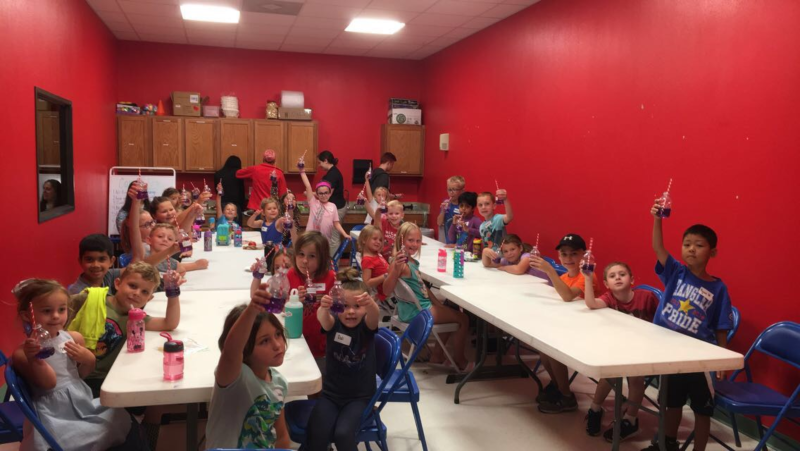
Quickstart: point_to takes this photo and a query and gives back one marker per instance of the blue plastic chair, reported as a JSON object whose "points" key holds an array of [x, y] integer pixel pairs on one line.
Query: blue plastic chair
{"points": [[338, 255], [658, 293], [387, 353], [124, 260], [19, 390], [402, 385], [559, 269], [11, 417]]}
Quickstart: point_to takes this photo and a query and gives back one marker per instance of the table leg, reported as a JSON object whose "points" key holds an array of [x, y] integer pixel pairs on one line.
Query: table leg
{"points": [[662, 411], [527, 369], [480, 357], [191, 427], [616, 384]]}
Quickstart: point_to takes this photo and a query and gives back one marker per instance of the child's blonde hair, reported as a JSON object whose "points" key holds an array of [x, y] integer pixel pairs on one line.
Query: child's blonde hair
{"points": [[457, 179], [381, 189], [30, 290], [405, 229], [164, 225], [144, 269], [395, 203], [270, 200], [486, 194], [366, 234]]}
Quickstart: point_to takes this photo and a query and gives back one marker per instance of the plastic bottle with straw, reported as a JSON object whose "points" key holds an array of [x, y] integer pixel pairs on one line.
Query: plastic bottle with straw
{"points": [[587, 262], [498, 201], [141, 189], [665, 203], [301, 162], [535, 249]]}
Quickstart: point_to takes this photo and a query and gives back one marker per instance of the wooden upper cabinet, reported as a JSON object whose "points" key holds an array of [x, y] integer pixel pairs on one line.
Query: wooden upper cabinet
{"points": [[48, 138], [201, 143], [168, 142], [133, 134], [407, 143], [269, 134], [236, 138], [301, 138]]}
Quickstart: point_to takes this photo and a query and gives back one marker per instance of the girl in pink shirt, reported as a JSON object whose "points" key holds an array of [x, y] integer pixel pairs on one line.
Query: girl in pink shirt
{"points": [[323, 216]]}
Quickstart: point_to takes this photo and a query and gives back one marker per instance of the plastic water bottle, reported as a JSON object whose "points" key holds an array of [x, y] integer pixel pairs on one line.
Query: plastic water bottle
{"points": [[587, 262], [237, 235], [441, 264], [458, 263], [220, 191], [664, 205], [383, 207], [223, 234], [288, 222], [535, 252], [135, 330], [273, 177], [208, 241], [186, 200], [185, 241], [195, 193], [294, 316], [261, 269], [173, 359], [45, 340], [337, 294], [196, 234], [311, 291], [301, 164], [200, 219], [141, 190], [278, 291], [361, 200], [172, 287]]}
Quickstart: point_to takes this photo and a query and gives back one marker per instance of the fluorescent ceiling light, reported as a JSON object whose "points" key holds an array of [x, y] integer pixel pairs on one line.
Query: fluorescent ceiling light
{"points": [[375, 26], [207, 13]]}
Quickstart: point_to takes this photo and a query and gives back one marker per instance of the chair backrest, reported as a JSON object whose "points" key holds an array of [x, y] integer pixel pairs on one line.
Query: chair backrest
{"points": [[417, 333], [338, 255], [403, 293], [735, 320], [654, 290], [781, 341], [559, 268], [19, 391], [387, 352], [355, 256]]}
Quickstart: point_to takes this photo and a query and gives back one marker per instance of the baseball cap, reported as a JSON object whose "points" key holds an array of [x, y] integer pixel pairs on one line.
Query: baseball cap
{"points": [[269, 156], [572, 240]]}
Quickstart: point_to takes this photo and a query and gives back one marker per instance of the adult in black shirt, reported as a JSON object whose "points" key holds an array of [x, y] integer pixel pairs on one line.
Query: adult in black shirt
{"points": [[380, 175], [232, 188], [334, 176]]}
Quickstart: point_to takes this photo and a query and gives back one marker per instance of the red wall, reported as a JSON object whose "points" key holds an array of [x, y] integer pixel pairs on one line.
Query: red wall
{"points": [[586, 109], [63, 48], [349, 95]]}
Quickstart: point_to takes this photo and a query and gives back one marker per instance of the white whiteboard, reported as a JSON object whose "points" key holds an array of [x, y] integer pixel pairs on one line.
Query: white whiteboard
{"points": [[119, 177]]}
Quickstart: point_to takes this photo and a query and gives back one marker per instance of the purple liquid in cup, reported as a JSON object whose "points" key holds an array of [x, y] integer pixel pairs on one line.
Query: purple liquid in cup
{"points": [[45, 352], [310, 299], [361, 201], [142, 193], [275, 305], [588, 268], [337, 307], [500, 202], [196, 193], [301, 165], [172, 292], [663, 212]]}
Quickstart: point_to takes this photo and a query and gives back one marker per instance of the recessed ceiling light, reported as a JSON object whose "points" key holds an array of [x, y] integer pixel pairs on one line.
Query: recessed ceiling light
{"points": [[375, 26], [208, 13]]}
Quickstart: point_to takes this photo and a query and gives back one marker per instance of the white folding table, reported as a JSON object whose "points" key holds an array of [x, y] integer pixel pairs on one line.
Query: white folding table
{"points": [[137, 379], [597, 343], [226, 266]]}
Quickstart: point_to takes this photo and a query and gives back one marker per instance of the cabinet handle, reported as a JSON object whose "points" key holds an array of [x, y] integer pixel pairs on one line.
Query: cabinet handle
{"points": [[165, 145], [404, 172], [130, 144], [234, 145], [166, 120], [200, 122]]}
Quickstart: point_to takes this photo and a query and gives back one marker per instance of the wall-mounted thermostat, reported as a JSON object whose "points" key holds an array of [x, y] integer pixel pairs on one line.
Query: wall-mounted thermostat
{"points": [[444, 142]]}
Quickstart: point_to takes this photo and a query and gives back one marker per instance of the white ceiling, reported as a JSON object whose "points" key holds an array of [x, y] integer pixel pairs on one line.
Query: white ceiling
{"points": [[431, 25]]}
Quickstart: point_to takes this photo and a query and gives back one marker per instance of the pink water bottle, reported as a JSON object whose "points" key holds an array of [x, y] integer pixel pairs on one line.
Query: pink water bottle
{"points": [[442, 262], [173, 358], [135, 330]]}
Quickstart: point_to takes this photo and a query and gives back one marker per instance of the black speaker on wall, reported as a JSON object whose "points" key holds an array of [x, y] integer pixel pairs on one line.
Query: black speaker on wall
{"points": [[360, 168]]}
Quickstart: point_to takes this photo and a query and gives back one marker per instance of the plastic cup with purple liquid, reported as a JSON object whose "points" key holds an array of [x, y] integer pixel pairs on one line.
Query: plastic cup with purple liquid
{"points": [[337, 294]]}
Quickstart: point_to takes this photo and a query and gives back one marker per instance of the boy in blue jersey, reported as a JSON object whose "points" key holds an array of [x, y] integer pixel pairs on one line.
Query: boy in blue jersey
{"points": [[697, 304]]}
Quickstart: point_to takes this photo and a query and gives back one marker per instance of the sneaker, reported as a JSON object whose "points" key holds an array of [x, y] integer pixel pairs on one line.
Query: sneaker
{"points": [[561, 404], [594, 422], [550, 392], [671, 445], [626, 431]]}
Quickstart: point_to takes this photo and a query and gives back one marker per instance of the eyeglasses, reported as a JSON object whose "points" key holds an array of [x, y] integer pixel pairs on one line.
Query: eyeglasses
{"points": [[454, 190], [326, 193], [148, 225]]}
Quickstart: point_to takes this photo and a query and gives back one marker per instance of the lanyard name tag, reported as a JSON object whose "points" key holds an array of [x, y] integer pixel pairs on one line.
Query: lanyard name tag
{"points": [[706, 294], [342, 338]]}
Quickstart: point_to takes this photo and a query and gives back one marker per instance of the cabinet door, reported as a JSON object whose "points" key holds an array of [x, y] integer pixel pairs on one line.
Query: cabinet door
{"points": [[407, 143], [168, 142], [301, 138], [269, 134], [201, 142], [235, 140], [133, 144], [48, 138]]}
